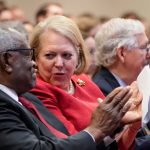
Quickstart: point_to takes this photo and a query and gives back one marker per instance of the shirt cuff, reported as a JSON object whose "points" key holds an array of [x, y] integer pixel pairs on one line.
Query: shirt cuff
{"points": [[107, 140], [89, 134]]}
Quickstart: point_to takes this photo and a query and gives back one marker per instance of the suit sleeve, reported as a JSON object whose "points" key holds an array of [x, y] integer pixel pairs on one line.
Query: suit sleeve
{"points": [[16, 134], [51, 103]]}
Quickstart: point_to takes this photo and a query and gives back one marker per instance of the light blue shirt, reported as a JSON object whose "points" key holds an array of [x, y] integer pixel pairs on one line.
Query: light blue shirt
{"points": [[120, 81]]}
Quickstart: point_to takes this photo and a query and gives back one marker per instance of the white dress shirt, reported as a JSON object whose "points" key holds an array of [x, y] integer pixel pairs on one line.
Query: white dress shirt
{"points": [[10, 92]]}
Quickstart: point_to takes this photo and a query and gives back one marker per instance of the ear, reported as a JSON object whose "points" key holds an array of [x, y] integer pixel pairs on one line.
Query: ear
{"points": [[121, 53], [6, 63]]}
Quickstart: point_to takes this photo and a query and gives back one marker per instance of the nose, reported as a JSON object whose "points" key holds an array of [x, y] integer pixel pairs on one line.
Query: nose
{"points": [[148, 54], [58, 61]]}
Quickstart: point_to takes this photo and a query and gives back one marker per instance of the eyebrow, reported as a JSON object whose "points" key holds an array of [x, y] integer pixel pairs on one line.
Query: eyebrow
{"points": [[144, 45]]}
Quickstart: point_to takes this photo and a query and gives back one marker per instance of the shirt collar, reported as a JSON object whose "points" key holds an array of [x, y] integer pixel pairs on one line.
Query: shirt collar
{"points": [[9, 92], [120, 81]]}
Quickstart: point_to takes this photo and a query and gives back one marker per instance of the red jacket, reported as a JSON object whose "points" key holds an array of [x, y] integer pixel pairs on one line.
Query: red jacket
{"points": [[72, 110]]}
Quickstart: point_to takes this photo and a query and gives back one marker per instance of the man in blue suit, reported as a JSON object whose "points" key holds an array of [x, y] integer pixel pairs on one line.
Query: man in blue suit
{"points": [[122, 52]]}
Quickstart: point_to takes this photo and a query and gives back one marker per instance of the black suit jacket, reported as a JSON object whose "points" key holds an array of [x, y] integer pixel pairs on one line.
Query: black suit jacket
{"points": [[105, 80], [20, 130], [57, 124], [47, 115], [143, 143]]}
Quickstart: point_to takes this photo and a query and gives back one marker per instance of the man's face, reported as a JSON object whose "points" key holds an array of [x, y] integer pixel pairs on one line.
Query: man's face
{"points": [[23, 71], [54, 10], [91, 47], [136, 58]]}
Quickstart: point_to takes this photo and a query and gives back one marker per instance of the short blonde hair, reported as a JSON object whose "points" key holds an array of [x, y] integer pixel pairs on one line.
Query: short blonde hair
{"points": [[68, 29]]}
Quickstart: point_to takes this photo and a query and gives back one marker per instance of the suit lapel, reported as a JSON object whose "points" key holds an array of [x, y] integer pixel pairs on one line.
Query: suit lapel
{"points": [[31, 122], [49, 117], [105, 80], [109, 78]]}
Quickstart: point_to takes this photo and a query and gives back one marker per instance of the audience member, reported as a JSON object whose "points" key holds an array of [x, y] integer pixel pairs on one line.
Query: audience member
{"points": [[123, 51], [60, 56], [59, 53], [102, 20], [29, 28], [5, 14], [47, 10], [131, 15], [19, 129], [86, 22], [40, 15], [143, 138], [2, 5], [91, 48], [18, 14]]}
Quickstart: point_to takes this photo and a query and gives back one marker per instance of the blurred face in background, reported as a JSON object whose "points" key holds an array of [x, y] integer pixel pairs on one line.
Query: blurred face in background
{"points": [[57, 59], [91, 47], [54, 10], [6, 15]]}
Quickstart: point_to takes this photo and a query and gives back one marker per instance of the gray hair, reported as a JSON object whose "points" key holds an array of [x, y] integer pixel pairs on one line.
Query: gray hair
{"points": [[11, 39], [18, 26], [116, 33]]}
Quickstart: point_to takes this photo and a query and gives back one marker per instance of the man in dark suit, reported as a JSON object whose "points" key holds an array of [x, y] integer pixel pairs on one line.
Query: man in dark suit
{"points": [[19, 129], [105, 80], [142, 141], [122, 52]]}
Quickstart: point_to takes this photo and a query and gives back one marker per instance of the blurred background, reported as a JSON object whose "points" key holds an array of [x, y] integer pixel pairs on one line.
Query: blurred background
{"points": [[109, 8]]}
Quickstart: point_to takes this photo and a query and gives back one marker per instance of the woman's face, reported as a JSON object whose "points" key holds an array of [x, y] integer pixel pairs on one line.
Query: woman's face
{"points": [[91, 47], [57, 59]]}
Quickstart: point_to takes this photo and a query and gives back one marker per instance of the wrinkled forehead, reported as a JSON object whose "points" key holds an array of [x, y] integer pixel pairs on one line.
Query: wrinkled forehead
{"points": [[142, 39]]}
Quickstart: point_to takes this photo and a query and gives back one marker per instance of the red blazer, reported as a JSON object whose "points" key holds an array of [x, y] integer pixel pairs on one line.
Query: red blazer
{"points": [[74, 111]]}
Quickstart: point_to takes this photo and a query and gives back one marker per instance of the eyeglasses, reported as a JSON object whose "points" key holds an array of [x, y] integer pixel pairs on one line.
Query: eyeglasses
{"points": [[147, 48], [27, 52]]}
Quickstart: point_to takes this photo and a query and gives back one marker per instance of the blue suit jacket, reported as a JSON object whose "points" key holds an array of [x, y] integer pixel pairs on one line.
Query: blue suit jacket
{"points": [[105, 80], [142, 142]]}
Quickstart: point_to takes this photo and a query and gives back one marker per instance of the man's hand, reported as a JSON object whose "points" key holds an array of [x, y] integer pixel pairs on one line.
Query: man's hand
{"points": [[108, 115]]}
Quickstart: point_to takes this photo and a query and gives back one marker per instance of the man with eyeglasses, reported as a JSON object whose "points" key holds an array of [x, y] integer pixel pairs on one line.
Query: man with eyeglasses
{"points": [[122, 52], [21, 130]]}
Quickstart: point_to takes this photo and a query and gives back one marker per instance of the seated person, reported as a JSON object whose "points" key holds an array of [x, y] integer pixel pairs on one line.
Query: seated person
{"points": [[122, 53], [60, 57], [20, 130]]}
